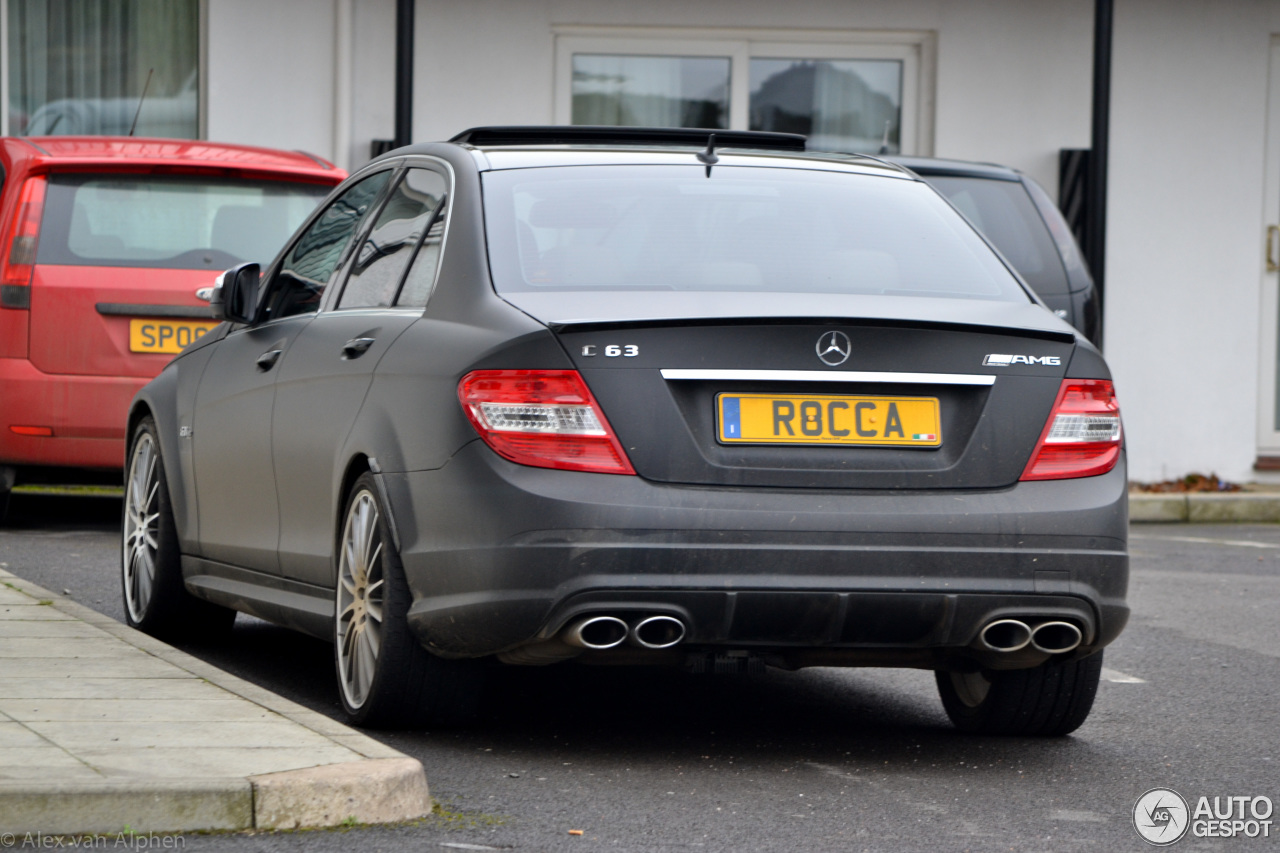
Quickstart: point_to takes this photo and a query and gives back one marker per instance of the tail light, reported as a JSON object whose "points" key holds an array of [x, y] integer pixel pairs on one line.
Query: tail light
{"points": [[544, 418], [19, 258], [1083, 434]]}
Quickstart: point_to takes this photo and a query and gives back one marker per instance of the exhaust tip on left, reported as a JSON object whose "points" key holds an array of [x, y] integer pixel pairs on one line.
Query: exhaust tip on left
{"points": [[596, 632]]}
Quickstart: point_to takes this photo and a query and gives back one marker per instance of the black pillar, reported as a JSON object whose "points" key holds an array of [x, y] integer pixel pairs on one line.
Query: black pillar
{"points": [[1096, 196], [404, 72]]}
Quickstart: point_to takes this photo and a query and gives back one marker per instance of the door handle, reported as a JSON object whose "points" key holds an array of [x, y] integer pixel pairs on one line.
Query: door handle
{"points": [[268, 359], [1273, 264], [356, 347]]}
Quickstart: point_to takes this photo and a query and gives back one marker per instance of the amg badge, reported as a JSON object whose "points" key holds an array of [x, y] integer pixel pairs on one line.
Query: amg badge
{"points": [[1001, 360]]}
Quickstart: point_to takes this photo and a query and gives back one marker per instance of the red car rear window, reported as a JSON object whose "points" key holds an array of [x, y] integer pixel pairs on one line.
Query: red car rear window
{"points": [[174, 222]]}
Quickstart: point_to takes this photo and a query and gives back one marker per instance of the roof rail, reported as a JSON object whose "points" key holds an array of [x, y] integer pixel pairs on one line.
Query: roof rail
{"points": [[482, 137]]}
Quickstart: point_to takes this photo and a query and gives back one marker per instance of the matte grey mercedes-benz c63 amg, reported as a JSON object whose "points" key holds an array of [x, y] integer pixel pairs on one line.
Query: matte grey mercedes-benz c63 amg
{"points": [[639, 397]]}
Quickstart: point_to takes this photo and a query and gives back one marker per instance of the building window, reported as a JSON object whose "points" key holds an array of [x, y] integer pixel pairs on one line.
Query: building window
{"points": [[80, 67], [858, 92], [652, 91], [851, 105]]}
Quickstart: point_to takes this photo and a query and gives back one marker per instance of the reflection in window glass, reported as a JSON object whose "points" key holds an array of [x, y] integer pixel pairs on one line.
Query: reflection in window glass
{"points": [[742, 229], [651, 91], [841, 105], [385, 253], [306, 271], [80, 66]]}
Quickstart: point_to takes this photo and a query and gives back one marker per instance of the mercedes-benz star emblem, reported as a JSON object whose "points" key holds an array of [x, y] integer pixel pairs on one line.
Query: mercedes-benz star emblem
{"points": [[834, 348]]}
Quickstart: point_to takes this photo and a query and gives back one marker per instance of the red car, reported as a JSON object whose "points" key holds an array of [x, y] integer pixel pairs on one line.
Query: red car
{"points": [[108, 243]]}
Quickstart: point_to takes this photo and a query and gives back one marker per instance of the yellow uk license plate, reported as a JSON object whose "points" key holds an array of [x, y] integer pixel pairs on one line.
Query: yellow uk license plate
{"points": [[165, 336], [813, 419]]}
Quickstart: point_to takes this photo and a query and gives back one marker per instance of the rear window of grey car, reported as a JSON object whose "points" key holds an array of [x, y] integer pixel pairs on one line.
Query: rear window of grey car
{"points": [[170, 222], [1004, 212], [739, 229]]}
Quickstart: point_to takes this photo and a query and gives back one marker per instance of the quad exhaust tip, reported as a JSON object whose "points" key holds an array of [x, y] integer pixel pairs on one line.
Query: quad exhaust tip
{"points": [[1006, 635], [596, 632], [658, 632], [1056, 637]]}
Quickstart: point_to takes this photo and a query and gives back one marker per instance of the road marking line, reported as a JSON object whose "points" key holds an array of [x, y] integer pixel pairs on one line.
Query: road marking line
{"points": [[1115, 676], [1243, 543]]}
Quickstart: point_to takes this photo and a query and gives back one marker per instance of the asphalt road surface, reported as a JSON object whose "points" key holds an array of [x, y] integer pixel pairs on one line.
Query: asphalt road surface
{"points": [[819, 760]]}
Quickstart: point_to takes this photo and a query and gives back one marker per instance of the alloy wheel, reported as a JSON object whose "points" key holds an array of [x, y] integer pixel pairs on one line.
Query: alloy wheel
{"points": [[141, 526], [360, 599]]}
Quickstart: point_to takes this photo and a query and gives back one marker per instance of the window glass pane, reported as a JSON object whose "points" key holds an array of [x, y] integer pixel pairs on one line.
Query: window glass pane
{"points": [[422, 274], [651, 91], [1003, 211], [841, 105], [170, 222], [306, 270], [385, 253], [740, 229], [79, 67]]}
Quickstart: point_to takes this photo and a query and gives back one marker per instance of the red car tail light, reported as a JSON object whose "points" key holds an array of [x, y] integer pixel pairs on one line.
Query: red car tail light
{"points": [[543, 418], [1083, 434], [19, 259]]}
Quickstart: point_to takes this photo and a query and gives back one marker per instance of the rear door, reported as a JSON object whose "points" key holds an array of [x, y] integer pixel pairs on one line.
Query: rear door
{"points": [[324, 378]]}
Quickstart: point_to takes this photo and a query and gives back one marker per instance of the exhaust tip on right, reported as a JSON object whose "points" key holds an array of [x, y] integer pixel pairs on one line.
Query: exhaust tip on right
{"points": [[658, 632], [1056, 637], [1006, 635]]}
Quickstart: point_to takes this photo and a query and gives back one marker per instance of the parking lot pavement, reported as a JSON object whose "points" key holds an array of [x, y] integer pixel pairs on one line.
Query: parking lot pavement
{"points": [[104, 729]]}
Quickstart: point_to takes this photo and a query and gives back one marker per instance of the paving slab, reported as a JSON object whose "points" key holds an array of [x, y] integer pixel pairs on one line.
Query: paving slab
{"points": [[103, 727]]}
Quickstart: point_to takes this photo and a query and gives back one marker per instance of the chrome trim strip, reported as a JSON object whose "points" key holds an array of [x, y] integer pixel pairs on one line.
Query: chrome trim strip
{"points": [[829, 376]]}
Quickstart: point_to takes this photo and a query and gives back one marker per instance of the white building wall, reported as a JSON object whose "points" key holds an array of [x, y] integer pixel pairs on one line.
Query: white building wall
{"points": [[270, 74], [1184, 242], [1012, 78]]}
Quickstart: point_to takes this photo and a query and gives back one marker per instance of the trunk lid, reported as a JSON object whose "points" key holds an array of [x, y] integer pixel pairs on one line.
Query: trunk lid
{"points": [[994, 376]]}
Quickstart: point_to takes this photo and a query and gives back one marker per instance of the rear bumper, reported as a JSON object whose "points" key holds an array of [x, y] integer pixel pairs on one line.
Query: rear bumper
{"points": [[85, 413], [500, 556]]}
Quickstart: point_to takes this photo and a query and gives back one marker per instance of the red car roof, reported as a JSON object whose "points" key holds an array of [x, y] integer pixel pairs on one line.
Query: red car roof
{"points": [[75, 152]]}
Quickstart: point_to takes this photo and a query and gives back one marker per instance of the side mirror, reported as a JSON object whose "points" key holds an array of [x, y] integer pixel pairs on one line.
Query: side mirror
{"points": [[235, 297]]}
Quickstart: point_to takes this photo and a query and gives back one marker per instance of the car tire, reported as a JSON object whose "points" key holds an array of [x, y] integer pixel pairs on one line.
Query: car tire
{"points": [[386, 678], [1049, 700], [155, 599]]}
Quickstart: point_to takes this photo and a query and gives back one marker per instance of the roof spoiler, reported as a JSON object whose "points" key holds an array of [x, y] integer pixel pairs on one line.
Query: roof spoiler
{"points": [[482, 137]]}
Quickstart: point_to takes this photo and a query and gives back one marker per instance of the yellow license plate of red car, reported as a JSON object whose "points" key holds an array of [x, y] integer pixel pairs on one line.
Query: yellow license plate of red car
{"points": [[819, 419], [165, 336]]}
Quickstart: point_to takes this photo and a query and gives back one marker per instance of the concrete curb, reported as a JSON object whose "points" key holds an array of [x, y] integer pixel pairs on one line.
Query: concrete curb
{"points": [[1205, 507], [383, 786]]}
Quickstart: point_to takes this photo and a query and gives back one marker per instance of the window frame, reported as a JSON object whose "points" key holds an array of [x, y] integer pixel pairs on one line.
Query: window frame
{"points": [[441, 212], [916, 49]]}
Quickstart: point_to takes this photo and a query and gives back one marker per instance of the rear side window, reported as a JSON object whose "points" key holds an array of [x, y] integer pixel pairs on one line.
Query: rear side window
{"points": [[170, 222], [1005, 214], [740, 229], [410, 214]]}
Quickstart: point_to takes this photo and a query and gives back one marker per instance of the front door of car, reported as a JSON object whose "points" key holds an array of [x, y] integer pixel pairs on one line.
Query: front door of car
{"points": [[323, 383], [231, 427]]}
